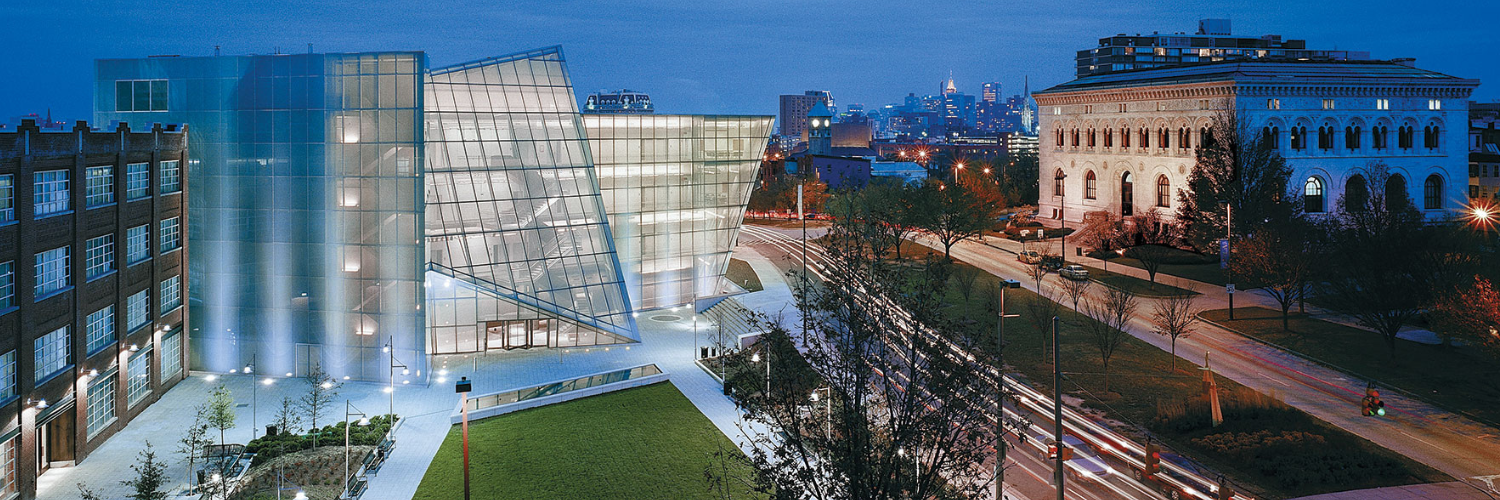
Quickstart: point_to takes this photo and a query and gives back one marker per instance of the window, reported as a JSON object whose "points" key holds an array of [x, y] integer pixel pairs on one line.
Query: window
{"points": [[1378, 137], [101, 410], [1430, 137], [137, 181], [1057, 183], [1164, 137], [8, 376], [137, 244], [7, 198], [7, 285], [100, 330], [52, 352], [1163, 191], [171, 234], [1404, 137], [100, 183], [1328, 104], [1383, 104], [1272, 137], [1356, 194], [1090, 186], [50, 194], [51, 271], [1125, 137], [1273, 103], [137, 310], [99, 256], [1075, 137], [1325, 138], [171, 293], [1145, 138], [9, 450], [171, 355], [1351, 137], [1312, 196], [1109, 137], [140, 95], [138, 368], [1091, 138], [1183, 138], [1432, 193], [171, 176], [1059, 136], [1435, 104]]}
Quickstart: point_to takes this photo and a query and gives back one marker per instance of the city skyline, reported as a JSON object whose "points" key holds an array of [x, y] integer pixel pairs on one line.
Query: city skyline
{"points": [[693, 52]]}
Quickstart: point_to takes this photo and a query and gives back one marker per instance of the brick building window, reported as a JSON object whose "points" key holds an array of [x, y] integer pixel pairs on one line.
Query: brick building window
{"points": [[51, 354], [50, 192], [101, 409], [100, 184], [99, 331], [137, 181]]}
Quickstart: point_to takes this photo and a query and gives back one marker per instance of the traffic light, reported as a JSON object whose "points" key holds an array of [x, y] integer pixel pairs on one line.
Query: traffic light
{"points": [[1153, 459]]}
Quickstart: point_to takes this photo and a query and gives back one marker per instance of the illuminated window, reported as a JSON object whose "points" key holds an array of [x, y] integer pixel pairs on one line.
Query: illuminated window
{"points": [[101, 403], [100, 185], [50, 192], [51, 354], [100, 329]]}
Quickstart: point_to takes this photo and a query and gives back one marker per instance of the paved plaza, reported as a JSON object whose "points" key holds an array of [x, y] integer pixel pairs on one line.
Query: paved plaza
{"points": [[667, 343]]}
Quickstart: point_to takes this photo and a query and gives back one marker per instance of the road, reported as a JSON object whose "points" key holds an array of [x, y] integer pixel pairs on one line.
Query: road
{"points": [[1028, 473]]}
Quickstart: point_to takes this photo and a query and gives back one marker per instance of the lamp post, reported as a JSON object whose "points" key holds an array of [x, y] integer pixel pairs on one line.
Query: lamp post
{"points": [[1000, 444], [350, 411], [1057, 433], [463, 387], [1229, 253], [916, 460], [281, 477], [828, 430], [1062, 216], [391, 389], [254, 396]]}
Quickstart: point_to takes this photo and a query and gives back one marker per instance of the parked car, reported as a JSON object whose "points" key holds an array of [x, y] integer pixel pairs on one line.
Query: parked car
{"points": [[1029, 256], [1074, 272], [1052, 262]]}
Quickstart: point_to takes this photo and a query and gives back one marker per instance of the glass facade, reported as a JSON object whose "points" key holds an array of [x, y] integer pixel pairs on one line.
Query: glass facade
{"points": [[306, 202], [675, 188], [519, 244]]}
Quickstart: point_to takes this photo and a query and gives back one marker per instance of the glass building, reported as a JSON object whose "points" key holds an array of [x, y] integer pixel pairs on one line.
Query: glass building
{"points": [[338, 195], [307, 206], [675, 188]]}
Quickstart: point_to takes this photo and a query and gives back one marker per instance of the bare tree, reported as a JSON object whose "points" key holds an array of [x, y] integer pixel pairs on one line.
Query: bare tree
{"points": [[1151, 257], [1109, 314], [319, 399], [1075, 289], [1279, 260], [965, 277], [1174, 317], [1037, 272], [192, 444], [287, 418], [1039, 311]]}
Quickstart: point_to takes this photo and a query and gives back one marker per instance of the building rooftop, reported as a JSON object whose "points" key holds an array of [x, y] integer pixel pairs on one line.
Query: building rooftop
{"points": [[1265, 70]]}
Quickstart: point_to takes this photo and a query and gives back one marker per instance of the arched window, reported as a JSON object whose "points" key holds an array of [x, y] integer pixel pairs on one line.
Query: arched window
{"points": [[1432, 193], [1395, 192], [1164, 138], [1325, 138], [1272, 137], [1145, 138], [1075, 137], [1163, 191], [1404, 137], [1183, 138], [1312, 196], [1430, 137], [1203, 137], [1351, 137], [1059, 135], [1379, 137], [1091, 138], [1109, 138], [1057, 183], [1356, 194], [1127, 195], [1299, 138], [1125, 137], [1090, 186]]}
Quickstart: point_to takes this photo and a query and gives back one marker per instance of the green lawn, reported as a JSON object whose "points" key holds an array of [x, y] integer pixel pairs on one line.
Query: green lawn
{"points": [[1447, 376], [1142, 380], [1143, 288], [647, 442], [740, 273], [1206, 273]]}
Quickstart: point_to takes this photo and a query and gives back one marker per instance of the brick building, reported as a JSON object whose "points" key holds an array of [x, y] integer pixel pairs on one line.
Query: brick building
{"points": [[92, 286]]}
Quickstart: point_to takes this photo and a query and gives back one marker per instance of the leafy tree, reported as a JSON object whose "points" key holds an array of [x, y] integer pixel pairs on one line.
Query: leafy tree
{"points": [[1279, 260], [956, 214], [1174, 317], [1470, 312], [322, 391], [1154, 230], [1101, 231], [150, 477], [220, 412], [876, 413], [195, 440], [1386, 260], [1110, 315], [1237, 166], [287, 419], [1151, 257]]}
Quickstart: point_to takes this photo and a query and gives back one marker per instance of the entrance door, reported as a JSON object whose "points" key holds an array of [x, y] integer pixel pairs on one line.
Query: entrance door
{"points": [[1127, 196], [55, 441]]}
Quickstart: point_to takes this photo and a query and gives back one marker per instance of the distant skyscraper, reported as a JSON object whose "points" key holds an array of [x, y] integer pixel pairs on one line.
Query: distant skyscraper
{"points": [[793, 117], [1213, 42], [990, 92]]}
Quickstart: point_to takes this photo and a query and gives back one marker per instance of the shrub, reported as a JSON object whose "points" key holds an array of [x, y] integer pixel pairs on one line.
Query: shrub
{"points": [[267, 448]]}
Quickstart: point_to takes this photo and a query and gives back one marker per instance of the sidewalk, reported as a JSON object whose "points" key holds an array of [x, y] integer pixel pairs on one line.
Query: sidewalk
{"points": [[667, 342]]}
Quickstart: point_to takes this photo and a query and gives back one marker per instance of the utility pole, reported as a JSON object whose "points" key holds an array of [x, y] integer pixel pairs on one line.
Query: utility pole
{"points": [[1000, 444], [1229, 252], [463, 387], [803, 216], [1057, 421]]}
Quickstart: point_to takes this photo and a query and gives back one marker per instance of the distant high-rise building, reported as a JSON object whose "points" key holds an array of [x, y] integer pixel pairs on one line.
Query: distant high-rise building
{"points": [[623, 101], [1213, 42], [793, 117], [990, 92]]}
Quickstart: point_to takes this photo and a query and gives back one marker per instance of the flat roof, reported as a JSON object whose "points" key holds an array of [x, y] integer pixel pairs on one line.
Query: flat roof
{"points": [[1279, 71]]}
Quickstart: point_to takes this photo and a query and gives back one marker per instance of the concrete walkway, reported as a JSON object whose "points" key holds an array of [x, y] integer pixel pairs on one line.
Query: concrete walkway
{"points": [[667, 339]]}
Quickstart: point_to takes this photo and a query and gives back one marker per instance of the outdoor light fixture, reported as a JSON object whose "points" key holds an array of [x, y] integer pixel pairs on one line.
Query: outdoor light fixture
{"points": [[300, 495], [211, 377], [363, 421], [267, 381], [134, 348], [328, 385], [41, 404], [93, 373]]}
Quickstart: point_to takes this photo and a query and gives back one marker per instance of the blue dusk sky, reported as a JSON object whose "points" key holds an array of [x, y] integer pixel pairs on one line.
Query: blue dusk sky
{"points": [[716, 56]]}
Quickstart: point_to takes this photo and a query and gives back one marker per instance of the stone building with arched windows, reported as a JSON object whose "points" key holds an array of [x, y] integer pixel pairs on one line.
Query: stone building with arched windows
{"points": [[1125, 142]]}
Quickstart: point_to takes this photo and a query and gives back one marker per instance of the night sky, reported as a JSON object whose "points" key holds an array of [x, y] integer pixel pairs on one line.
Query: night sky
{"points": [[716, 56]]}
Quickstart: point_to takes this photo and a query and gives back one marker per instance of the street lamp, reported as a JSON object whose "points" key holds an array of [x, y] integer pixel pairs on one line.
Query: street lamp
{"points": [[755, 358], [463, 387], [829, 426], [350, 411], [1483, 215], [254, 396], [391, 389], [916, 459], [1000, 444], [1229, 253]]}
